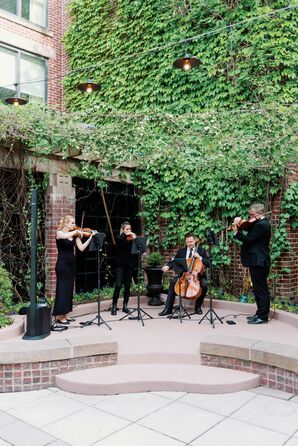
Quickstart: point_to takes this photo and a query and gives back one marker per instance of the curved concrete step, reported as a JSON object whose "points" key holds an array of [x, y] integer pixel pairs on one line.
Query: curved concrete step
{"points": [[130, 378]]}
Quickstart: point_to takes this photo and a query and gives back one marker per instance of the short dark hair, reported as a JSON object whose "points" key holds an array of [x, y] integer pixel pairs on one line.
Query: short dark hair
{"points": [[190, 234]]}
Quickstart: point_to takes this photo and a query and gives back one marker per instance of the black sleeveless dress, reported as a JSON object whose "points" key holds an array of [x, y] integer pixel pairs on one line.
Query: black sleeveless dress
{"points": [[65, 272]]}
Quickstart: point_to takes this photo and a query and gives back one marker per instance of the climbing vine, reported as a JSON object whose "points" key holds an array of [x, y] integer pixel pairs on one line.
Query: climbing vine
{"points": [[253, 62]]}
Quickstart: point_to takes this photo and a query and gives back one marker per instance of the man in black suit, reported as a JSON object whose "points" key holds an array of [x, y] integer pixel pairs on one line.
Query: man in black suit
{"points": [[255, 255], [192, 249]]}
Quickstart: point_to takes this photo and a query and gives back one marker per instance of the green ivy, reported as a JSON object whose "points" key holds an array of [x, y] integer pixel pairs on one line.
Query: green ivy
{"points": [[6, 290], [288, 217], [249, 63]]}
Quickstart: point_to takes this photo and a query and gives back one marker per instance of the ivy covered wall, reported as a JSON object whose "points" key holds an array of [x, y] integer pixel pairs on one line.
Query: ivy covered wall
{"points": [[248, 63]]}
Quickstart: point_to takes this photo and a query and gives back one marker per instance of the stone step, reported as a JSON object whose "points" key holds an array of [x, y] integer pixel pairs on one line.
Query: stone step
{"points": [[131, 378]]}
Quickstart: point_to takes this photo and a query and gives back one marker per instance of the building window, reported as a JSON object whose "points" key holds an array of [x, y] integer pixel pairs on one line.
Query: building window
{"points": [[26, 70], [33, 10]]}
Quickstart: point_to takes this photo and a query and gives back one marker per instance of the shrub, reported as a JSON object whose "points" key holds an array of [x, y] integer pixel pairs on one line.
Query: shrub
{"points": [[6, 289], [154, 259]]}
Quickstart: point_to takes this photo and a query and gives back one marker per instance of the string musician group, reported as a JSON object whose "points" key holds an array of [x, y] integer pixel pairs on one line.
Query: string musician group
{"points": [[188, 265]]}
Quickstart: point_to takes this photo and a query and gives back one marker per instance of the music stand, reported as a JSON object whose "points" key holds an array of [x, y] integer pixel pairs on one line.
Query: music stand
{"points": [[96, 244], [139, 245], [212, 241], [180, 267]]}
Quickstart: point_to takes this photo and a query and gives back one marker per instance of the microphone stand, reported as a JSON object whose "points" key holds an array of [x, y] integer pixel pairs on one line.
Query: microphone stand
{"points": [[98, 242]]}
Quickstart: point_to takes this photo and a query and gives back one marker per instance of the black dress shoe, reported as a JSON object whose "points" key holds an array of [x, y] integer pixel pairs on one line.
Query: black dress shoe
{"points": [[165, 312], [114, 311], [198, 310], [257, 320], [251, 318], [125, 309]]}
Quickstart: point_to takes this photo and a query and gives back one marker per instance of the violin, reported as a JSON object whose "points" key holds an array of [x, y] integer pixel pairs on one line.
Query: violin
{"points": [[189, 286], [87, 232], [129, 237], [243, 224]]}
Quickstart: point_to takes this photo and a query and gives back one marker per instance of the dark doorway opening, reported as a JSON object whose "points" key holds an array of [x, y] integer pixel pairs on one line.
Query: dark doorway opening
{"points": [[122, 202]]}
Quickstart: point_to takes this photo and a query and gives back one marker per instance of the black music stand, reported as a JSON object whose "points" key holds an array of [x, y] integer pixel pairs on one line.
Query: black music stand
{"points": [[96, 244], [139, 245], [211, 314], [180, 267]]}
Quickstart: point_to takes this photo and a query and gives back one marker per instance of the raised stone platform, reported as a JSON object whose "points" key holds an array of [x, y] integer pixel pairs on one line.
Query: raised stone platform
{"points": [[33, 365], [131, 378], [151, 352], [277, 364]]}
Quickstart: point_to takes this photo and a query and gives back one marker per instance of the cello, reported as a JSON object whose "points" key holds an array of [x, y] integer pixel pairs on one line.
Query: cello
{"points": [[189, 286]]}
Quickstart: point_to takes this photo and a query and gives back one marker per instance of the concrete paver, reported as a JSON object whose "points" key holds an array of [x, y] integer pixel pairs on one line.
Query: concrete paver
{"points": [[163, 418]]}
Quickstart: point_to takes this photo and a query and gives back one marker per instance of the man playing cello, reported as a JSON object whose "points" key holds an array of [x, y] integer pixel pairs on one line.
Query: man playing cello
{"points": [[191, 250]]}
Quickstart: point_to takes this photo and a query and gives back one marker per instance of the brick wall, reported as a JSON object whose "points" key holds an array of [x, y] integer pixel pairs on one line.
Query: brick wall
{"points": [[287, 284], [59, 201], [41, 375], [273, 377]]}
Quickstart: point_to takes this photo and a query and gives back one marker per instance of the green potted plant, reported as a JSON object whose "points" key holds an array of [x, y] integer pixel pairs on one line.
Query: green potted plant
{"points": [[154, 262]]}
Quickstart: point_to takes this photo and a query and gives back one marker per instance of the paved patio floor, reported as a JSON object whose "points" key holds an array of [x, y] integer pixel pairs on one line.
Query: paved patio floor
{"points": [[57, 418]]}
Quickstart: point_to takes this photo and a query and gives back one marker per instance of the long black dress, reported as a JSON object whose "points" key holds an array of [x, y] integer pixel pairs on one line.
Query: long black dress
{"points": [[65, 272]]}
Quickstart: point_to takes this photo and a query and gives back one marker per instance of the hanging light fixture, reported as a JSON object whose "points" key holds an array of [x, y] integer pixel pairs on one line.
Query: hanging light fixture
{"points": [[89, 86], [186, 63], [16, 100]]}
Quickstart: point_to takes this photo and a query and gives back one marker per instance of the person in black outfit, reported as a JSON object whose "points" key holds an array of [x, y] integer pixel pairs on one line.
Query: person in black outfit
{"points": [[125, 264], [192, 249], [67, 237], [255, 255]]}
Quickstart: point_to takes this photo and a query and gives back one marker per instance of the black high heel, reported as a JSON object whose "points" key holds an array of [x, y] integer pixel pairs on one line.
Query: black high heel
{"points": [[62, 323]]}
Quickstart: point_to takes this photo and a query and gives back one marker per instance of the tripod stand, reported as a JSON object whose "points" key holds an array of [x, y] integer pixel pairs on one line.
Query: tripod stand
{"points": [[138, 247], [96, 245], [211, 314], [179, 310]]}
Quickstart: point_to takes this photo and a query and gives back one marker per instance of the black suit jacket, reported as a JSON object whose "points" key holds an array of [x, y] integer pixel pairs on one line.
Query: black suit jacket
{"points": [[255, 249], [181, 254]]}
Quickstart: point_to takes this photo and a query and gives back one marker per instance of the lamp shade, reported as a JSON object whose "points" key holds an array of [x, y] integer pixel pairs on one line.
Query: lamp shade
{"points": [[89, 86], [186, 63], [16, 101]]}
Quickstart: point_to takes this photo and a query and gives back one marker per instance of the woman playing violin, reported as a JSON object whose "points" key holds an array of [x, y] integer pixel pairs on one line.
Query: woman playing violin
{"points": [[67, 237], [255, 255], [125, 264]]}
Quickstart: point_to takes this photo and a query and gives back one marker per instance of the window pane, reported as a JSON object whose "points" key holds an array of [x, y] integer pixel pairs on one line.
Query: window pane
{"points": [[9, 5], [35, 11], [33, 71], [8, 59]]}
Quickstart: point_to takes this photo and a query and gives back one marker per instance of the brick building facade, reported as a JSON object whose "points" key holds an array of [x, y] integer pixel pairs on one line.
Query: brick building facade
{"points": [[42, 42]]}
